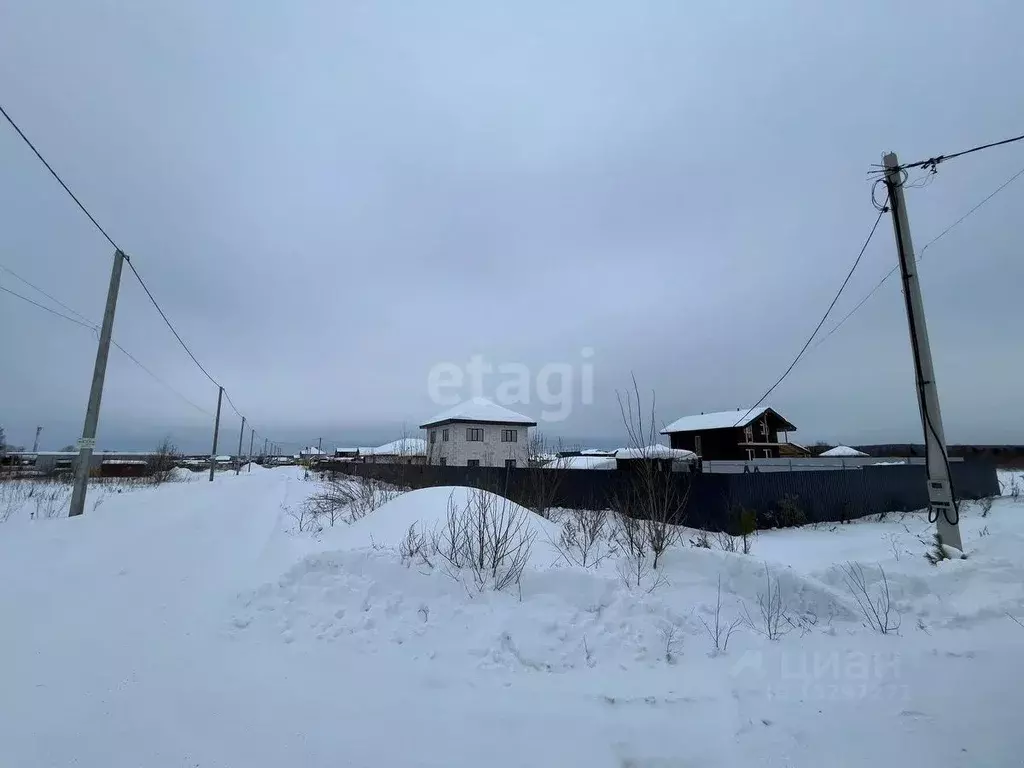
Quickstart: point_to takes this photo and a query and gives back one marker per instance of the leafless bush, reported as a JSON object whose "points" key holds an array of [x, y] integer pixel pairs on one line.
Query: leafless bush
{"points": [[654, 502], [1015, 488], [773, 619], [637, 560], [583, 539], [305, 519], [986, 505], [725, 542], [416, 547], [717, 630], [875, 603], [347, 499], [488, 537], [162, 462], [701, 540], [894, 544], [672, 643]]}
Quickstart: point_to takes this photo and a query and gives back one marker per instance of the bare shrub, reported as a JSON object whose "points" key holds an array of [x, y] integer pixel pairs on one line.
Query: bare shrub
{"points": [[637, 561], [1015, 488], [875, 603], [583, 539], [671, 642], [488, 537], [725, 542], [986, 505], [773, 619], [305, 519], [163, 461], [789, 513], [894, 544], [719, 631], [416, 547], [701, 540], [347, 499]]}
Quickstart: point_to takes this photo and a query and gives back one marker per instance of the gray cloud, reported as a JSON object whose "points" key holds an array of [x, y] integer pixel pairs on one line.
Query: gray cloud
{"points": [[330, 199]]}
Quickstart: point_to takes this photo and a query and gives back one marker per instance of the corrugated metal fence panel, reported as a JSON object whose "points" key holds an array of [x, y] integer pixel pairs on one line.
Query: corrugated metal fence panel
{"points": [[713, 500]]}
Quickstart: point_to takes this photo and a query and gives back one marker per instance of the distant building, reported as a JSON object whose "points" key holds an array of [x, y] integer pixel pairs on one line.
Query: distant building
{"points": [[738, 435], [478, 433], [844, 452], [406, 450]]}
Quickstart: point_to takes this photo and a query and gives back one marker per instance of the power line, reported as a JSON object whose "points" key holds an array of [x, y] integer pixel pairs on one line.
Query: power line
{"points": [[93, 327], [54, 299], [821, 322], [920, 256], [51, 311], [58, 178], [931, 162]]}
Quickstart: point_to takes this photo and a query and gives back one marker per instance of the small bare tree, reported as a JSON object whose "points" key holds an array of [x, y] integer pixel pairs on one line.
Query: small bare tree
{"points": [[773, 619], [719, 631], [583, 539], [489, 537], [416, 547], [875, 603], [654, 496]]}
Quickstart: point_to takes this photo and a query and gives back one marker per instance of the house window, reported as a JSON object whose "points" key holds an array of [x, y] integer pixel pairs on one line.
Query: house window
{"points": [[433, 436], [748, 434], [444, 435], [510, 463], [696, 445], [764, 428], [472, 462], [750, 453], [474, 435], [444, 461], [767, 453], [510, 435]]}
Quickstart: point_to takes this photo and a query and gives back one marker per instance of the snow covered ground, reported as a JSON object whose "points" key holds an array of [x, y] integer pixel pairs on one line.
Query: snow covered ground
{"points": [[192, 625]]}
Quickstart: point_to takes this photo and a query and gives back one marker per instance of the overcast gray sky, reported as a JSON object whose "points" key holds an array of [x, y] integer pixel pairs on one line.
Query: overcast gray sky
{"points": [[330, 198]]}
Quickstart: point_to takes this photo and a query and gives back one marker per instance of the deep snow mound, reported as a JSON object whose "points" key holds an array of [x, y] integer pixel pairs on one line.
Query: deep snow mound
{"points": [[428, 510]]}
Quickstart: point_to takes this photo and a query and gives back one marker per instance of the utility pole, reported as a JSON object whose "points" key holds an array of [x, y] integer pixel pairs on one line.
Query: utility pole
{"points": [[92, 413], [942, 505], [35, 445], [252, 436], [238, 461], [216, 432], [265, 448], [320, 445]]}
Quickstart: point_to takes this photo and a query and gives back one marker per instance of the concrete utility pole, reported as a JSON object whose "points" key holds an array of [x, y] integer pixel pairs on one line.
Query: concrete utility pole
{"points": [[942, 505], [252, 436], [216, 432], [35, 444], [265, 446], [87, 443], [320, 445], [238, 461]]}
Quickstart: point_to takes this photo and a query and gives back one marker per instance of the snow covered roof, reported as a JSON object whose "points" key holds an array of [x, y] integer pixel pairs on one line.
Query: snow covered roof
{"points": [[583, 462], [482, 410], [311, 450], [842, 450], [720, 420], [655, 452], [596, 452], [405, 446]]}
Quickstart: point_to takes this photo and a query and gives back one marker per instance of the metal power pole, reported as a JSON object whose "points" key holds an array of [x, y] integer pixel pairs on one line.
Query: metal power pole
{"points": [[92, 413], [252, 436], [942, 505], [216, 432], [238, 461]]}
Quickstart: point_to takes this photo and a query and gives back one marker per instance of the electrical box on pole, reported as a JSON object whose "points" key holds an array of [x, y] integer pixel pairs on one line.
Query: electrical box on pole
{"points": [[943, 509]]}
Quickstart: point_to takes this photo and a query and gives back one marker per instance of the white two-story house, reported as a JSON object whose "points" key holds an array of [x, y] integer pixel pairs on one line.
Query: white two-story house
{"points": [[478, 433]]}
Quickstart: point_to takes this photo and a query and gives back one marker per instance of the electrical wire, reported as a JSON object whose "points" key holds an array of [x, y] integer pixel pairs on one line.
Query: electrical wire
{"points": [[803, 349], [920, 256], [95, 329], [932, 162], [60, 181], [54, 299]]}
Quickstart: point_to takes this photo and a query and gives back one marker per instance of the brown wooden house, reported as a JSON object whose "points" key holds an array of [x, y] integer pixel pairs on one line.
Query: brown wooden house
{"points": [[739, 435]]}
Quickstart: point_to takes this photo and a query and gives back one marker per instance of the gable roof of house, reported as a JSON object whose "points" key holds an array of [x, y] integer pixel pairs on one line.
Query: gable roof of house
{"points": [[656, 451], [480, 409], [722, 420]]}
